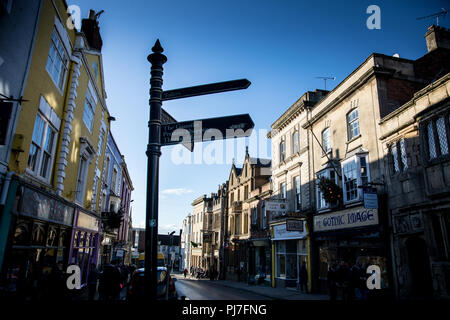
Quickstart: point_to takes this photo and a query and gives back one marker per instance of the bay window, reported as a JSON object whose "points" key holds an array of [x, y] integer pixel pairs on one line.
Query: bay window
{"points": [[355, 173]]}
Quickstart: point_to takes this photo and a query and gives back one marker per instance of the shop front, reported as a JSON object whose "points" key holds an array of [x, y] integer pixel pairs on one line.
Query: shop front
{"points": [[350, 238], [85, 243], [39, 240], [290, 251], [260, 261]]}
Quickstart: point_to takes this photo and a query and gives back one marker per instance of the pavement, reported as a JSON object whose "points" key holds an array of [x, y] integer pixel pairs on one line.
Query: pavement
{"points": [[269, 292]]}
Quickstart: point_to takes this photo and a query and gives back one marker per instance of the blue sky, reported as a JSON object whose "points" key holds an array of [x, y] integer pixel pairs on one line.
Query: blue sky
{"points": [[280, 46]]}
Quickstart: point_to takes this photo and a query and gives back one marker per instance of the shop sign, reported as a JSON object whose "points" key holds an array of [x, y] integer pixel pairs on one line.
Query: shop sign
{"points": [[349, 218], [119, 253], [38, 205], [276, 209], [294, 225], [370, 198], [280, 232], [87, 221]]}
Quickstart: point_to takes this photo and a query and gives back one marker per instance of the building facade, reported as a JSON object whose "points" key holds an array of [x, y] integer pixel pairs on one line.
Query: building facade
{"points": [[415, 143], [254, 173], [292, 188], [50, 214]]}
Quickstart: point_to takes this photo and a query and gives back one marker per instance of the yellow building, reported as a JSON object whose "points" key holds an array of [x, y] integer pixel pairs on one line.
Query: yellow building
{"points": [[58, 149]]}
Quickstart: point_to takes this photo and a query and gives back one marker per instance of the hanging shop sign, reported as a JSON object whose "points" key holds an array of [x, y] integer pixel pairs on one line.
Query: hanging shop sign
{"points": [[370, 198], [276, 209], [294, 225], [349, 218]]}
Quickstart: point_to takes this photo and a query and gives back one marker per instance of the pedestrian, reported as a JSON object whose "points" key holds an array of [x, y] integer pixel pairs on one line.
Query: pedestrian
{"points": [[303, 278], [92, 281], [57, 282], [331, 278]]}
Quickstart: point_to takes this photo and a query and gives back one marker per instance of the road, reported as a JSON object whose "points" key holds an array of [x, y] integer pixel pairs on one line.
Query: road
{"points": [[212, 290]]}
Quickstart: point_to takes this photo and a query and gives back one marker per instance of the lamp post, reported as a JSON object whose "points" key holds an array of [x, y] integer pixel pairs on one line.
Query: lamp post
{"points": [[157, 59]]}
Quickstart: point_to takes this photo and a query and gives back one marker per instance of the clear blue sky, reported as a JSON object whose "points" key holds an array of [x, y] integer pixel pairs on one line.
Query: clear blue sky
{"points": [[280, 46]]}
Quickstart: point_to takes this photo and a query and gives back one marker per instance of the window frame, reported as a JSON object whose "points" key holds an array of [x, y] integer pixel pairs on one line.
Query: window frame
{"points": [[57, 54], [357, 159], [350, 122], [36, 172], [283, 193], [328, 149], [425, 132], [326, 173], [297, 195], [282, 150], [399, 157], [82, 176], [295, 142]]}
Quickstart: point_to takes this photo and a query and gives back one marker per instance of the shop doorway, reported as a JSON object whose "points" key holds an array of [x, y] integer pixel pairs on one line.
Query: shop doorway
{"points": [[419, 267]]}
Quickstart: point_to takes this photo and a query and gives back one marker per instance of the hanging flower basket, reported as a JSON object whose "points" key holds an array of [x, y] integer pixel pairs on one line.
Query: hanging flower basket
{"points": [[332, 193]]}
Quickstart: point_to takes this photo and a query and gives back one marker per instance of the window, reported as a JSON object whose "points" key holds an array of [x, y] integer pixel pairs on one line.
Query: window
{"points": [[89, 110], [40, 159], [352, 124], [264, 215], [354, 173], [297, 193], [399, 158], [254, 215], [283, 190], [437, 138], [57, 60], [295, 145], [113, 180], [328, 173], [81, 180], [282, 151], [326, 142]]}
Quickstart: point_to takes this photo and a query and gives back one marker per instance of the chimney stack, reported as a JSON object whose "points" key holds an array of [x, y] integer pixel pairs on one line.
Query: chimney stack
{"points": [[91, 30], [437, 37]]}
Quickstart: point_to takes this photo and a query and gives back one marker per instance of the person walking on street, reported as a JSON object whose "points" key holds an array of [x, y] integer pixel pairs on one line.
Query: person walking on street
{"points": [[303, 278], [92, 281], [331, 277]]}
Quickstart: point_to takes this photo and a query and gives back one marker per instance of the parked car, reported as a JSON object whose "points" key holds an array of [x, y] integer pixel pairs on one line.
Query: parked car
{"points": [[136, 287]]}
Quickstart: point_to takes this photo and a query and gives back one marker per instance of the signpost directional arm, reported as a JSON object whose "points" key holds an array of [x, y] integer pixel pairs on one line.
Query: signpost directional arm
{"points": [[206, 89]]}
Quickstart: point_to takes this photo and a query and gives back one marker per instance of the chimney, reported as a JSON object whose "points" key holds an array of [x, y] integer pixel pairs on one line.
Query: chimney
{"points": [[437, 37], [91, 30]]}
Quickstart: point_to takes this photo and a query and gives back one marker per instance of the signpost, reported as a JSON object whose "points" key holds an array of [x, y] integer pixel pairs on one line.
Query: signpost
{"points": [[194, 131], [161, 129]]}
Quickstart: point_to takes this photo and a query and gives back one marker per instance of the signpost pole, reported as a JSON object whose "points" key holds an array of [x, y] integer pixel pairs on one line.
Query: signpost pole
{"points": [[157, 59]]}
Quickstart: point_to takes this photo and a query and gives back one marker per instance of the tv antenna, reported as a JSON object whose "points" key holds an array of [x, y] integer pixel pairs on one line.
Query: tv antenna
{"points": [[325, 80], [435, 15]]}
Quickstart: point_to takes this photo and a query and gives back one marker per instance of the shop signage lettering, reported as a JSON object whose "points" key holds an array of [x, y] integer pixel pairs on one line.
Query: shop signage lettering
{"points": [[281, 233], [351, 218]]}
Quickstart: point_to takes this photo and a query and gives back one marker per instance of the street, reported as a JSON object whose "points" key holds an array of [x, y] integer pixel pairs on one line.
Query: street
{"points": [[212, 290]]}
